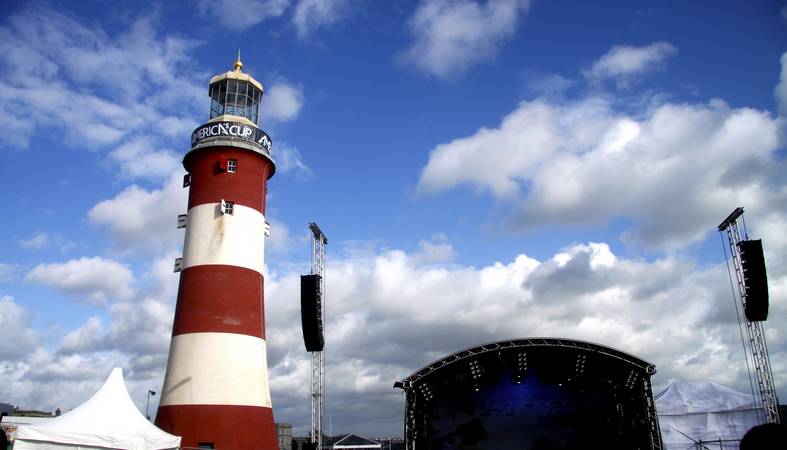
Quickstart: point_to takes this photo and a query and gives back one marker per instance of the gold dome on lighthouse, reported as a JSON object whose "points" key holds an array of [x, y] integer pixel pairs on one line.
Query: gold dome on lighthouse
{"points": [[237, 74], [238, 64]]}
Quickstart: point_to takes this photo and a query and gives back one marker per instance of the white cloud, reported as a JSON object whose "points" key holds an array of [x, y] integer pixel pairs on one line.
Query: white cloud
{"points": [[83, 337], [134, 335], [95, 87], [527, 137], [17, 339], [389, 314], [7, 272], [673, 170], [45, 381], [37, 241], [241, 14], [622, 62], [93, 281], [40, 240], [143, 220], [453, 35], [138, 328], [282, 240], [548, 85], [139, 158], [176, 127], [435, 250], [310, 15], [282, 102], [780, 92], [84, 119], [289, 161]]}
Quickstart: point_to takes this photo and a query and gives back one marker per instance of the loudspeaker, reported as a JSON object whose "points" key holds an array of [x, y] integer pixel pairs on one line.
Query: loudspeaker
{"points": [[756, 280], [311, 312], [309, 446]]}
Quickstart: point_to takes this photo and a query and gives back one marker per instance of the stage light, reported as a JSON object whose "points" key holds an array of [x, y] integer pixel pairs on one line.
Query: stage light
{"points": [[475, 370], [631, 380], [520, 367], [580, 365], [426, 391], [521, 361]]}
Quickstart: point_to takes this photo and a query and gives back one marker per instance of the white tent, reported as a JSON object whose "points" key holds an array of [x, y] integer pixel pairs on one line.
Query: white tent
{"points": [[108, 419], [703, 412]]}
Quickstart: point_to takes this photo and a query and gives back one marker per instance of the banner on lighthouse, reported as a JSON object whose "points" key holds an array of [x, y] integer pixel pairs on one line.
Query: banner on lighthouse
{"points": [[233, 130]]}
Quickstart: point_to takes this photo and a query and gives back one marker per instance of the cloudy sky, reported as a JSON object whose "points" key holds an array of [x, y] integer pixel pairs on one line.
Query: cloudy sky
{"points": [[483, 171]]}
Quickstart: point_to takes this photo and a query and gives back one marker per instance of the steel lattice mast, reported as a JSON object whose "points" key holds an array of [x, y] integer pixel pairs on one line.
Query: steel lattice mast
{"points": [[318, 358], [754, 329]]}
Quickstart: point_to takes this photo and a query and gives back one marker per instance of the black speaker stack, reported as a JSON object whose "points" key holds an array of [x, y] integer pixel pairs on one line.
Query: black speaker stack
{"points": [[311, 312], [755, 279]]}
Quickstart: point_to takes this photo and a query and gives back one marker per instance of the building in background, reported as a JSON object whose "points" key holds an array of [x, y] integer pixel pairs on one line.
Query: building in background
{"points": [[284, 435], [350, 441]]}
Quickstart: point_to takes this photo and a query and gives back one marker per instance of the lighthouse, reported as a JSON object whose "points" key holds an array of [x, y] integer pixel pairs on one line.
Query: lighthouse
{"points": [[216, 392]]}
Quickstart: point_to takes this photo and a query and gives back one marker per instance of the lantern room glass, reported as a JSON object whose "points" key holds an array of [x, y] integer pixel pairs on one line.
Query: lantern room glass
{"points": [[235, 97]]}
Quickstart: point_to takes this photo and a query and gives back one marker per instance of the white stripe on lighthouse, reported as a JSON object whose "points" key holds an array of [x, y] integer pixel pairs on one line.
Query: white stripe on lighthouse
{"points": [[214, 238], [216, 369]]}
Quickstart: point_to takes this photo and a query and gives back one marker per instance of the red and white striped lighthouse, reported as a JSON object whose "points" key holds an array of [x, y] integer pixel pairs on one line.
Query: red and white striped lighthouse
{"points": [[216, 392]]}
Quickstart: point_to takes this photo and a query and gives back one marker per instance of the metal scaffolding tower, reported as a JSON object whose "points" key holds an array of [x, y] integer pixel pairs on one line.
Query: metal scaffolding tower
{"points": [[318, 358], [757, 346]]}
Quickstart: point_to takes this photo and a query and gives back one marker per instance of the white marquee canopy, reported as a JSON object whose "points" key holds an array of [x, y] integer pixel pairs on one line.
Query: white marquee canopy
{"points": [[704, 411], [109, 419]]}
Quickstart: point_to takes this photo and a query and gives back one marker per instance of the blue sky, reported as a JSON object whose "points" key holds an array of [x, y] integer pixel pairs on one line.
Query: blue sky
{"points": [[483, 170]]}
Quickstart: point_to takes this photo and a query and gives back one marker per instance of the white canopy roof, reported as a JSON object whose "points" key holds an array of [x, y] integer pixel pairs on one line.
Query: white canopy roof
{"points": [[704, 411], [108, 419]]}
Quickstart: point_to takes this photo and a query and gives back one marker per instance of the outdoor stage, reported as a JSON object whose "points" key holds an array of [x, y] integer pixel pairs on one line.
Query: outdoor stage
{"points": [[536, 393]]}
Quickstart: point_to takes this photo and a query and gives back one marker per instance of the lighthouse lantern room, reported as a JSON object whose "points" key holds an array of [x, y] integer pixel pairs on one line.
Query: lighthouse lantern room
{"points": [[235, 94], [216, 392]]}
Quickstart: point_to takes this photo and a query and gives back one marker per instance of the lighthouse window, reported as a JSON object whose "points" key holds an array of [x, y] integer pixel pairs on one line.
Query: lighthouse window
{"points": [[232, 98], [255, 104], [218, 93], [240, 105], [227, 207], [235, 97], [232, 165]]}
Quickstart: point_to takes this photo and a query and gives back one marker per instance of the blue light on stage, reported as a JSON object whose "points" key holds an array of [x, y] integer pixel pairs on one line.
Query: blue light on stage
{"points": [[520, 413]]}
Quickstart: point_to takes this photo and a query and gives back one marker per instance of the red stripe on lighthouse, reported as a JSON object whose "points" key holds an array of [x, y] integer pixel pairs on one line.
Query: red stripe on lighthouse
{"points": [[219, 424], [219, 298], [210, 183]]}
